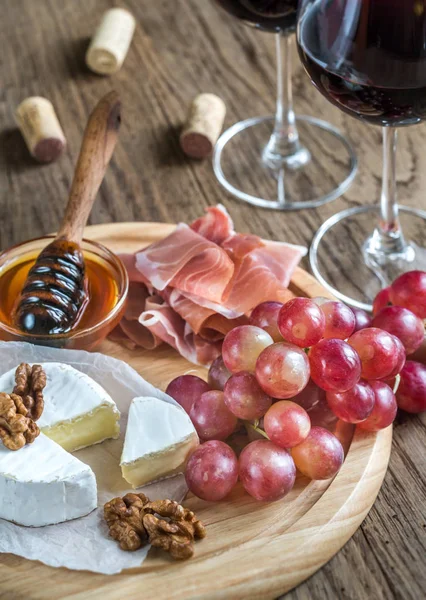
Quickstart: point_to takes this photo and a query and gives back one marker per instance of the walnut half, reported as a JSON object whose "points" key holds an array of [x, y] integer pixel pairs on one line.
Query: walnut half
{"points": [[29, 385], [133, 520], [16, 428], [124, 518]]}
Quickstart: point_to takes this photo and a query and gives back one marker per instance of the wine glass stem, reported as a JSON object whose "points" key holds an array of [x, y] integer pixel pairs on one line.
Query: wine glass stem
{"points": [[285, 120], [386, 248], [388, 201], [388, 233], [284, 141]]}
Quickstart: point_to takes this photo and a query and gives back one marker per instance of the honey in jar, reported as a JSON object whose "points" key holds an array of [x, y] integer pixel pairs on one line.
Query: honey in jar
{"points": [[105, 292]]}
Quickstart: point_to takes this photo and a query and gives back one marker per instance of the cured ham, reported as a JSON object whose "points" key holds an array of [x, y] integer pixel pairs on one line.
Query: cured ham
{"points": [[187, 261], [238, 245], [281, 259], [163, 322], [205, 322], [191, 312], [130, 328], [192, 287], [216, 225], [262, 271], [135, 275]]}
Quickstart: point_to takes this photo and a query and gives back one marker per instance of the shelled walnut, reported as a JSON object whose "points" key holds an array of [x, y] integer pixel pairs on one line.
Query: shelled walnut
{"points": [[29, 384], [133, 521], [16, 429], [20, 409], [124, 518]]}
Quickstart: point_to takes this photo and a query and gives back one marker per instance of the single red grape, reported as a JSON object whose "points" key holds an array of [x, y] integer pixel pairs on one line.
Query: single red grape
{"points": [[400, 359], [339, 320], [282, 370], [309, 396], [377, 351], [409, 291], [352, 406], [312, 399], [320, 456], [211, 417], [267, 471], [420, 354], [212, 471], [362, 319], [186, 389], [287, 424], [411, 393], [384, 410], [265, 316], [335, 366], [218, 374], [245, 398], [242, 346], [301, 322], [404, 324], [381, 300]]}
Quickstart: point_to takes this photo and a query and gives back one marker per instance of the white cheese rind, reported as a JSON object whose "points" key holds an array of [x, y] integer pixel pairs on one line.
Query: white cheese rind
{"points": [[156, 429], [41, 484], [69, 396]]}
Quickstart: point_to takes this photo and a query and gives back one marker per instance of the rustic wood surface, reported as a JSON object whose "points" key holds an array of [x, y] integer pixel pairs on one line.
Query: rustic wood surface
{"points": [[181, 48]]}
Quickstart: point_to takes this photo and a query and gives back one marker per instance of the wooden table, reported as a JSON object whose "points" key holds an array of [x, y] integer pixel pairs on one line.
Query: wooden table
{"points": [[181, 48]]}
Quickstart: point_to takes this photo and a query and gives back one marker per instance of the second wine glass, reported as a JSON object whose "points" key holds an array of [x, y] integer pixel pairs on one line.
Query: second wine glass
{"points": [[297, 161], [368, 57]]}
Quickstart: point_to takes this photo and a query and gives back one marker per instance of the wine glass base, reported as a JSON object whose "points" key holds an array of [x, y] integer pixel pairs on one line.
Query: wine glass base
{"points": [[320, 171], [342, 258]]}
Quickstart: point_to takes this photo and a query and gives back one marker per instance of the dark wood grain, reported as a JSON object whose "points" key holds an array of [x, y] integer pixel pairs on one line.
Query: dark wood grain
{"points": [[181, 48]]}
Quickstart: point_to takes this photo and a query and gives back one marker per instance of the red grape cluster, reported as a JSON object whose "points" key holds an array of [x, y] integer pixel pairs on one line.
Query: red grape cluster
{"points": [[400, 309], [290, 376]]}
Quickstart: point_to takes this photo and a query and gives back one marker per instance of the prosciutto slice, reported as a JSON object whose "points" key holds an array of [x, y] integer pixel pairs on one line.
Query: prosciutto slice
{"points": [[216, 225], [187, 261], [118, 335], [135, 276], [130, 328], [281, 259], [204, 321], [262, 271], [163, 322], [192, 313]]}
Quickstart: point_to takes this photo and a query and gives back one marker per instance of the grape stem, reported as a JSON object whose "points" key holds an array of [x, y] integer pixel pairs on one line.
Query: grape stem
{"points": [[396, 384], [257, 429]]}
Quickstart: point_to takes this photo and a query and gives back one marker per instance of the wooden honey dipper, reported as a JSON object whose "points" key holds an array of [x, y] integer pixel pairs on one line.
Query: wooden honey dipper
{"points": [[55, 292]]}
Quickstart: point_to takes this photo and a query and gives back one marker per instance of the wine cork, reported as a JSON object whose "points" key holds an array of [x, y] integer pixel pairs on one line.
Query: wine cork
{"points": [[203, 125], [111, 42], [39, 125]]}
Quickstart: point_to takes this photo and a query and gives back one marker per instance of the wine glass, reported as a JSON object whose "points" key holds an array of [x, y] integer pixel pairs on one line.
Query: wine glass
{"points": [[368, 57], [293, 158]]}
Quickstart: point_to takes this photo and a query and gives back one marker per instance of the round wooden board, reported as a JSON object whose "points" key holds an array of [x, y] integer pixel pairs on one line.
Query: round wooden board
{"points": [[252, 550]]}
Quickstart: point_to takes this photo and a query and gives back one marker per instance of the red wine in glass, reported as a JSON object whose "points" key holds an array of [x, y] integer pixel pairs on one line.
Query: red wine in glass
{"points": [[270, 15], [284, 148], [368, 57]]}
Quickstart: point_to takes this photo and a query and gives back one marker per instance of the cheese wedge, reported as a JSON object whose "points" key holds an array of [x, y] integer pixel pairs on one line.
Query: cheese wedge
{"points": [[41, 484], [159, 439], [78, 412]]}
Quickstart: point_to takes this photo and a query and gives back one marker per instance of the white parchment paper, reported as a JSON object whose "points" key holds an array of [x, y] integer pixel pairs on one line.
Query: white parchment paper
{"points": [[84, 544]]}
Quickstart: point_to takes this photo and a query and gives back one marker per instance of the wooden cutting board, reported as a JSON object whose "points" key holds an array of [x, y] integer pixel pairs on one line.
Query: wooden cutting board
{"points": [[252, 550]]}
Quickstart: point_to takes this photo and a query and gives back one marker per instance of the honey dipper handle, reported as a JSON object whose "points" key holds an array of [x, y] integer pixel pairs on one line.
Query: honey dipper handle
{"points": [[98, 144]]}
